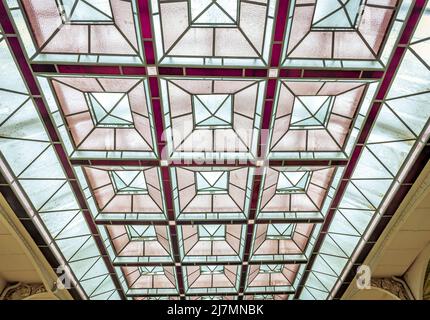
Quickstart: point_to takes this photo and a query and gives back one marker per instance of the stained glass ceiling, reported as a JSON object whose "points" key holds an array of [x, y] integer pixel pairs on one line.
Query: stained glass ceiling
{"points": [[209, 150]]}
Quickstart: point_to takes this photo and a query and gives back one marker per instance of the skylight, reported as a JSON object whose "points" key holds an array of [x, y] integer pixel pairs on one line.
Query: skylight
{"points": [[211, 149]]}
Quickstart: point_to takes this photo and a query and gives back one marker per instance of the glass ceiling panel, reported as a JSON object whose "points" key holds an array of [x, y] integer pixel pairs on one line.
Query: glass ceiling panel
{"points": [[140, 244], [102, 117], [281, 242], [103, 31], [301, 147], [213, 33], [318, 119], [211, 243], [106, 202], [213, 204], [338, 34], [211, 279], [400, 131]]}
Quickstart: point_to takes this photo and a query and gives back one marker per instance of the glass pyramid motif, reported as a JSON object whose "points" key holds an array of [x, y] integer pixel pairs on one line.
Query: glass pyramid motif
{"points": [[271, 268], [141, 232], [311, 112], [212, 232], [151, 271], [85, 11], [212, 111], [214, 12], [280, 231], [211, 269], [336, 14], [293, 182], [110, 109], [343, 139], [129, 182], [212, 182]]}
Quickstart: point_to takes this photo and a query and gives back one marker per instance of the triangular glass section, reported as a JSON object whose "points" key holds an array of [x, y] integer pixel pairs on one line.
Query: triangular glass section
{"points": [[151, 271], [213, 111], [85, 11], [141, 233], [271, 268], [214, 13], [280, 231], [211, 269], [110, 109], [211, 232], [129, 182], [293, 181], [212, 182], [336, 14], [311, 112]]}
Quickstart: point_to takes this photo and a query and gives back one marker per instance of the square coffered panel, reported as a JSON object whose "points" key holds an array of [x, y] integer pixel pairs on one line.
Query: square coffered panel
{"points": [[208, 118], [102, 117], [226, 193], [140, 244], [212, 242], [211, 279], [123, 193], [318, 119], [281, 242], [149, 280], [207, 32], [297, 193], [334, 34], [102, 31], [271, 278]]}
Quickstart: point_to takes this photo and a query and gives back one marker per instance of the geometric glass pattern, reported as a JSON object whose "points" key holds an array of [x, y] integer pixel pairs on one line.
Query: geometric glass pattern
{"points": [[147, 280], [212, 111], [211, 279], [219, 13], [281, 242], [129, 182], [211, 243], [110, 109], [212, 118], [115, 193], [82, 11], [211, 193], [271, 278], [297, 193], [293, 182], [212, 182], [337, 14], [103, 31], [211, 269], [335, 34], [139, 244], [211, 298], [280, 231], [318, 119], [141, 232], [211, 150], [212, 232], [206, 32], [102, 117], [266, 297], [311, 112]]}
